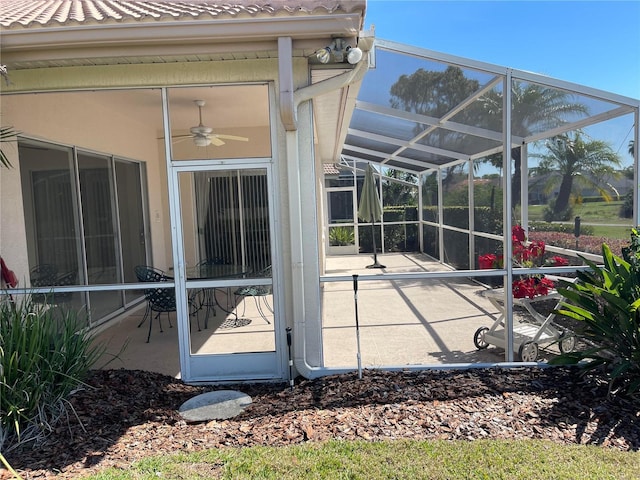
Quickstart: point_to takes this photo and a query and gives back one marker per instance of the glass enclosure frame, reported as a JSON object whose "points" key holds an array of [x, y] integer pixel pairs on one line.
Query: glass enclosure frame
{"points": [[391, 129]]}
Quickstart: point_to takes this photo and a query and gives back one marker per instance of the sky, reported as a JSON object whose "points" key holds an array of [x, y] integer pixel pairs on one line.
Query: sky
{"points": [[591, 43]]}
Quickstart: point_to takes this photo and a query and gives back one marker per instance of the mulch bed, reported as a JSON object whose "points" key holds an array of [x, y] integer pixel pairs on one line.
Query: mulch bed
{"points": [[127, 415]]}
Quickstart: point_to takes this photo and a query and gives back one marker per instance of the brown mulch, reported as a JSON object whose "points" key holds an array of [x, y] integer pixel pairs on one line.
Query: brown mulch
{"points": [[127, 415]]}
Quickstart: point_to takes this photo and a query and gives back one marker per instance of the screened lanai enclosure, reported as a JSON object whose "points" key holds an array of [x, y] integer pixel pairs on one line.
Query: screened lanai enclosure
{"points": [[258, 247], [466, 152]]}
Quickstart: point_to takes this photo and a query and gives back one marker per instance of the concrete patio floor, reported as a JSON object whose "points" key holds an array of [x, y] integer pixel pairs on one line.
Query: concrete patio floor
{"points": [[402, 322]]}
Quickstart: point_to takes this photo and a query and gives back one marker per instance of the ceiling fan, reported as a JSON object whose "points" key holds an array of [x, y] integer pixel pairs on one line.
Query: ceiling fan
{"points": [[203, 136]]}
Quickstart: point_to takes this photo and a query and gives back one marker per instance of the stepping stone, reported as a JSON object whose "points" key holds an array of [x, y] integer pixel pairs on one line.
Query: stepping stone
{"points": [[218, 405]]}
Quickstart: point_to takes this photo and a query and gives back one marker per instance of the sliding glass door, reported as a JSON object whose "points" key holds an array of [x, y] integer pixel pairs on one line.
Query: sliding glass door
{"points": [[85, 223]]}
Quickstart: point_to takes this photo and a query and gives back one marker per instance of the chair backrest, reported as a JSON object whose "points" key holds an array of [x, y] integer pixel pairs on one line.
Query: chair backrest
{"points": [[43, 275], [149, 274], [265, 272], [257, 290], [65, 280], [160, 299]]}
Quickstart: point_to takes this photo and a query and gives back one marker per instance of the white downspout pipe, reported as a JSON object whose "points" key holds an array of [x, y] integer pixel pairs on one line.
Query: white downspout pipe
{"points": [[289, 102]]}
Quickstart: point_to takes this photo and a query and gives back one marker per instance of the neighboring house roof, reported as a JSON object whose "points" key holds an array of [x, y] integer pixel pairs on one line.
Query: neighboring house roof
{"points": [[330, 169], [26, 13]]}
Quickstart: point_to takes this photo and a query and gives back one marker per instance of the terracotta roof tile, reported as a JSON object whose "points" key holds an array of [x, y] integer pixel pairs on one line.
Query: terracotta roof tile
{"points": [[51, 13]]}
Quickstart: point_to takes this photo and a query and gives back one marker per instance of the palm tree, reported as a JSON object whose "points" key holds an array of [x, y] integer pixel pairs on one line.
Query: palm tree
{"points": [[535, 108], [631, 147], [576, 159], [400, 192]]}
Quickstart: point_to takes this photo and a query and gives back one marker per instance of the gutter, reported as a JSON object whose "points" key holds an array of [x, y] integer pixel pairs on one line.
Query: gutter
{"points": [[73, 35], [289, 101]]}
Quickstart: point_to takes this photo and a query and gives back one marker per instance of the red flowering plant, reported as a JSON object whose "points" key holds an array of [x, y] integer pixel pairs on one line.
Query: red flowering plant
{"points": [[525, 254]]}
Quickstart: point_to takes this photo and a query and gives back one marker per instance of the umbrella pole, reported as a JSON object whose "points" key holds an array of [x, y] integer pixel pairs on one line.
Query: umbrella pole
{"points": [[355, 300], [375, 249]]}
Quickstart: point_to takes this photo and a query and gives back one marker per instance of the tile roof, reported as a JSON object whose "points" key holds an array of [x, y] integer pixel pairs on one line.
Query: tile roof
{"points": [[52, 13], [330, 169]]}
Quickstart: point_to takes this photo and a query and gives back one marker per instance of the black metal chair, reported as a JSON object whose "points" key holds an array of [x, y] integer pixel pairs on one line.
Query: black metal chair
{"points": [[65, 280], [259, 293], [43, 275], [159, 300]]}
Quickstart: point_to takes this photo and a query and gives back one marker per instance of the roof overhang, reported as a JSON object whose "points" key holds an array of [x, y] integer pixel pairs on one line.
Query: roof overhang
{"points": [[25, 48]]}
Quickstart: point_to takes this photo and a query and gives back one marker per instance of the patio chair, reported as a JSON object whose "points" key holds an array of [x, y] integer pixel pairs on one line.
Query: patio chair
{"points": [[65, 280], [159, 300], [43, 275], [259, 293]]}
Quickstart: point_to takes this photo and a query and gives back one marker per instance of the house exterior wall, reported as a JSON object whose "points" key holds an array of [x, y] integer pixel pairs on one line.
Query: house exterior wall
{"points": [[39, 116], [12, 227]]}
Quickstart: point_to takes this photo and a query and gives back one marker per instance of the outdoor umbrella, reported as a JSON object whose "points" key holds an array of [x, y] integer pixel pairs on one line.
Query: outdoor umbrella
{"points": [[370, 209]]}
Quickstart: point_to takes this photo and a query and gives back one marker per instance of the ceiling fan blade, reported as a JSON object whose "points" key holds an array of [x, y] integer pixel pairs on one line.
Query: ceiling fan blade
{"points": [[173, 137], [230, 137], [216, 141]]}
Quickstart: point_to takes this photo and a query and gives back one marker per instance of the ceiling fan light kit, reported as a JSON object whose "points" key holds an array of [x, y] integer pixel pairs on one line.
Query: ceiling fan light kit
{"points": [[201, 141], [203, 135]]}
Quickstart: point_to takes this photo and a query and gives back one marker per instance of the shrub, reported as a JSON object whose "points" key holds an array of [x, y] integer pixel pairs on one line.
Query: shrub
{"points": [[560, 227], [550, 215], [44, 356], [606, 298], [340, 236], [626, 209], [585, 243]]}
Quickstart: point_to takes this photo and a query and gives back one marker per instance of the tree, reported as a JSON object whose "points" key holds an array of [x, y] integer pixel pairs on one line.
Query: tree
{"points": [[435, 93], [580, 160], [535, 108], [399, 192], [431, 93]]}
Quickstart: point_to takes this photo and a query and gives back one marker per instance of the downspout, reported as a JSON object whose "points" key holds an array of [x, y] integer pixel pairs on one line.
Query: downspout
{"points": [[289, 101]]}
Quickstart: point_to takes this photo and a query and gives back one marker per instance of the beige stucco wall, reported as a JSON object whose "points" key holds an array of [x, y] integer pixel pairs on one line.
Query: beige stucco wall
{"points": [[12, 228], [88, 121], [98, 121]]}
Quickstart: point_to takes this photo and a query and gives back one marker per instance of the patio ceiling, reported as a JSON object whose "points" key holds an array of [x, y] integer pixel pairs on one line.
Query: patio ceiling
{"points": [[418, 110]]}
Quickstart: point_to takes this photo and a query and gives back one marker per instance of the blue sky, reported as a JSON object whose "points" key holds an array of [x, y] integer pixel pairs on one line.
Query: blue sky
{"points": [[592, 43]]}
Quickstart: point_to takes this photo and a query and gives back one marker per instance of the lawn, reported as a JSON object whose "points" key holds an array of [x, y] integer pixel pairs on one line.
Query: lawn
{"points": [[602, 217], [402, 459]]}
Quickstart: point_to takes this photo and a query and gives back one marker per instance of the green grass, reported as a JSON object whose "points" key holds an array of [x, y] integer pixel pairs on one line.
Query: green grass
{"points": [[590, 212], [403, 459], [593, 213]]}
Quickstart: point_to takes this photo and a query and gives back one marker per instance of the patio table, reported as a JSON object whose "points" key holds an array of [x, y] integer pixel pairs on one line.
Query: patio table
{"points": [[208, 297]]}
